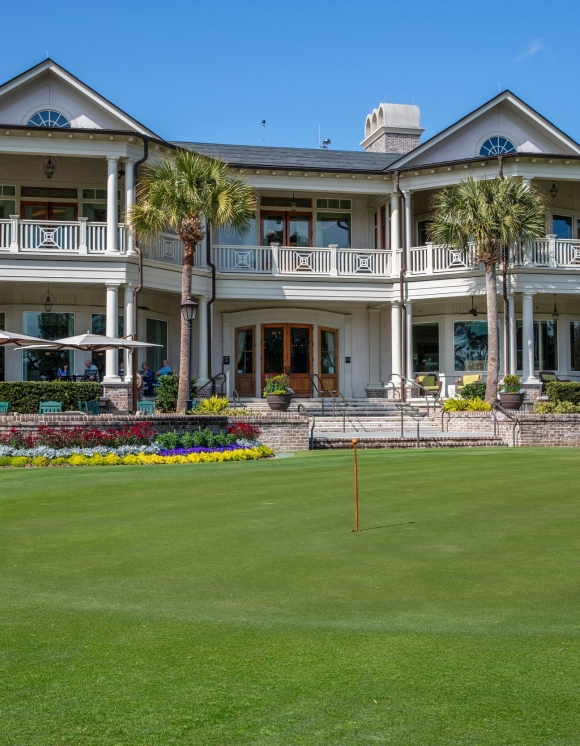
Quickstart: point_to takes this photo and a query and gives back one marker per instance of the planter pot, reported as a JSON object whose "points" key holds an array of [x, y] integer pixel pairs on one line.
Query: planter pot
{"points": [[511, 401], [279, 402]]}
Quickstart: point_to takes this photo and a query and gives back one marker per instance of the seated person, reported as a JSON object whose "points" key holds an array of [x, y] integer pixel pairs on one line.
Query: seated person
{"points": [[91, 371], [165, 370], [62, 372], [122, 369], [147, 377]]}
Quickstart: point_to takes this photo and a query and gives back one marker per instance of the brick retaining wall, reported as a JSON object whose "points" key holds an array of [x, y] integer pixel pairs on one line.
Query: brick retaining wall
{"points": [[282, 431], [531, 430]]}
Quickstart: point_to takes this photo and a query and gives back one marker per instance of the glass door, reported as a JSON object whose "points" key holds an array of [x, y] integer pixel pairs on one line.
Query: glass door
{"points": [[245, 376], [287, 348], [273, 228], [48, 211], [286, 228], [298, 230], [328, 363]]}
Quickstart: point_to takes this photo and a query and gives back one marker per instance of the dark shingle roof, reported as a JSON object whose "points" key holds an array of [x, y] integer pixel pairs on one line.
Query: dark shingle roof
{"points": [[316, 159]]}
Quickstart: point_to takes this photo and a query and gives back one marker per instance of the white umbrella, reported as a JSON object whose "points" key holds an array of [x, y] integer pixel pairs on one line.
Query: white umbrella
{"points": [[21, 340], [94, 342]]}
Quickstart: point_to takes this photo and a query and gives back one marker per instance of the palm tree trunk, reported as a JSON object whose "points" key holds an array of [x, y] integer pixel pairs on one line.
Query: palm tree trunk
{"points": [[184, 357], [492, 333]]}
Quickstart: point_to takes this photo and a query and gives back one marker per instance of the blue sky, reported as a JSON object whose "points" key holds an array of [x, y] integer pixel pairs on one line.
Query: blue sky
{"points": [[211, 71]]}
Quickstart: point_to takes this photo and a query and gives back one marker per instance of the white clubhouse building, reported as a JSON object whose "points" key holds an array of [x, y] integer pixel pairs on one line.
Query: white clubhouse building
{"points": [[315, 287]]}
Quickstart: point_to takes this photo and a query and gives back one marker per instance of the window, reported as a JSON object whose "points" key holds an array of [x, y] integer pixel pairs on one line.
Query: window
{"points": [[285, 201], [333, 228], [497, 146], [156, 334], [574, 345], [423, 231], [48, 118], [470, 343], [41, 365], [2, 355], [95, 213], [99, 326], [425, 348], [8, 191], [545, 345], [232, 237], [7, 208], [48, 192], [383, 241], [376, 231], [94, 194], [334, 204], [562, 226]]}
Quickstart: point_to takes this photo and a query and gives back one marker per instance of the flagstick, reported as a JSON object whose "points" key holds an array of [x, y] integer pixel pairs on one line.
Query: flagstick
{"points": [[354, 442]]}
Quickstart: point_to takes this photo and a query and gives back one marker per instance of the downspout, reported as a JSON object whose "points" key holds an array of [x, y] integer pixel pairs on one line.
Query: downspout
{"points": [[140, 285], [402, 286], [211, 265], [506, 303]]}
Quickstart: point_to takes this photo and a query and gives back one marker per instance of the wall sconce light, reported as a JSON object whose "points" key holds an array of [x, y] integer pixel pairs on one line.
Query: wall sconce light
{"points": [[48, 300], [555, 312], [49, 168], [293, 203], [554, 189]]}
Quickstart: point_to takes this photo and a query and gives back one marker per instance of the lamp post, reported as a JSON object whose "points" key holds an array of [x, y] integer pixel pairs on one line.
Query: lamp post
{"points": [[189, 312]]}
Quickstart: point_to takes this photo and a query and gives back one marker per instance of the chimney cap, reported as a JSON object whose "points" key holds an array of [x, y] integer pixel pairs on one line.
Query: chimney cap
{"points": [[392, 119]]}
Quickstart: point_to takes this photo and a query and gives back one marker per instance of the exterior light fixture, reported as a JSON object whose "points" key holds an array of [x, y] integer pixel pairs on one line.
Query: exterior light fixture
{"points": [[325, 143], [49, 168], [554, 189], [48, 300], [293, 203], [555, 312], [189, 309]]}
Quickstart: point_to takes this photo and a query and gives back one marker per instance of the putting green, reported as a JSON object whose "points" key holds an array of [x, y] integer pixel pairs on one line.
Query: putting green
{"points": [[231, 604]]}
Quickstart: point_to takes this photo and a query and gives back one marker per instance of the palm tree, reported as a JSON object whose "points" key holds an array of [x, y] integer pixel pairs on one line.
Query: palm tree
{"points": [[184, 193], [490, 216]]}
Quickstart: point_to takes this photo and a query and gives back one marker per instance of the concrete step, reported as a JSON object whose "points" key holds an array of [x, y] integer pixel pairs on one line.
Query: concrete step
{"points": [[443, 440]]}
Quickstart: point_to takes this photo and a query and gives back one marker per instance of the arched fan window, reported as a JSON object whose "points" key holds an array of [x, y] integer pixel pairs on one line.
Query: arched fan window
{"points": [[497, 146], [48, 118]]}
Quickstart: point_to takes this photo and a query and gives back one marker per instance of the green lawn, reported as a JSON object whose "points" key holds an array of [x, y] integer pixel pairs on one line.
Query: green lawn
{"points": [[232, 604]]}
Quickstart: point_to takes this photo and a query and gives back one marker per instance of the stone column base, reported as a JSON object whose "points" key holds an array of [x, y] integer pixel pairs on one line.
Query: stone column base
{"points": [[533, 390], [118, 396], [375, 392]]}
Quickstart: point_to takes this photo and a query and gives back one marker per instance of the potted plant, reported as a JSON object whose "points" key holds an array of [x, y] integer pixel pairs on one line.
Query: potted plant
{"points": [[278, 392], [511, 394]]}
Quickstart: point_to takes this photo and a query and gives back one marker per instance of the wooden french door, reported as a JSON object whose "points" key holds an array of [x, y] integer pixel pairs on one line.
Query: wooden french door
{"points": [[48, 211], [287, 348], [245, 360], [286, 228], [328, 358]]}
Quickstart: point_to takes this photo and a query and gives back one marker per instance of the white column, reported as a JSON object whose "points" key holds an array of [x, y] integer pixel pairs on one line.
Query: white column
{"points": [[409, 340], [129, 305], [112, 329], [374, 349], [202, 359], [112, 217], [513, 359], [527, 182], [395, 232], [129, 202], [396, 342], [528, 338]]}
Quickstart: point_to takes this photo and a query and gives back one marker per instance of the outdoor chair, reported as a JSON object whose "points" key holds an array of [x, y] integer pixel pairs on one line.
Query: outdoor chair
{"points": [[4, 407], [466, 379], [429, 384], [547, 375], [146, 406], [49, 407]]}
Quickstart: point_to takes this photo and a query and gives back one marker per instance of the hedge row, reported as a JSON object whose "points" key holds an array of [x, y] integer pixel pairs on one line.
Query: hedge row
{"points": [[559, 391], [24, 397]]}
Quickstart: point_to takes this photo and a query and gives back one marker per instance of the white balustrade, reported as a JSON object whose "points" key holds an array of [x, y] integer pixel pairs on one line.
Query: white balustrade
{"points": [[96, 237], [540, 252], [167, 247], [418, 260], [5, 234], [47, 235], [567, 253], [304, 261], [361, 262], [244, 259]]}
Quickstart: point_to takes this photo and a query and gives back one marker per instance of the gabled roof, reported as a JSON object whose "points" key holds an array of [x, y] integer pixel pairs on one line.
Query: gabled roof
{"points": [[505, 96], [49, 65], [308, 159]]}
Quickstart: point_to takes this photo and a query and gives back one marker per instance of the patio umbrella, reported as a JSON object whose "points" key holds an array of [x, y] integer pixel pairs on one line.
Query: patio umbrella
{"points": [[21, 340], [91, 342]]}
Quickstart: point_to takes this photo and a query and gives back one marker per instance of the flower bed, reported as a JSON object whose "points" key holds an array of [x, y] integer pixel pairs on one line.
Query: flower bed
{"points": [[134, 445]]}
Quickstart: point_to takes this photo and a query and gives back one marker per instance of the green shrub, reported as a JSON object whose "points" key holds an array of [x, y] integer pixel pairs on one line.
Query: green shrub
{"points": [[551, 407], [474, 390], [559, 391], [167, 392], [212, 405], [478, 405], [25, 396], [456, 405]]}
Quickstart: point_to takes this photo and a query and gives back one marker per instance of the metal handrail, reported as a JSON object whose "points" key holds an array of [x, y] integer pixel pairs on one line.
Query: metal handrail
{"points": [[511, 416], [414, 385], [416, 414], [213, 381], [237, 401], [302, 408], [334, 393]]}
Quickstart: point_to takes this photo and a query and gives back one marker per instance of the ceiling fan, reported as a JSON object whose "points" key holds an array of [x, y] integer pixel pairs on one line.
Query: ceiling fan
{"points": [[472, 311]]}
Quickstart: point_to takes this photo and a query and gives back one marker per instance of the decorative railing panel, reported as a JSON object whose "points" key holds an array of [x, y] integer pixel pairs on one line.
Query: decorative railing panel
{"points": [[96, 237], [360, 262], [48, 236], [244, 259], [307, 261]]}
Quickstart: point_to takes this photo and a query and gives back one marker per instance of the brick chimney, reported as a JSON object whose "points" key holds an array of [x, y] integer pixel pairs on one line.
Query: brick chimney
{"points": [[393, 128]]}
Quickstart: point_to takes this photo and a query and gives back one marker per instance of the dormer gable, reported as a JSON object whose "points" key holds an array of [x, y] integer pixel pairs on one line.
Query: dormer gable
{"points": [[49, 95], [502, 125]]}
